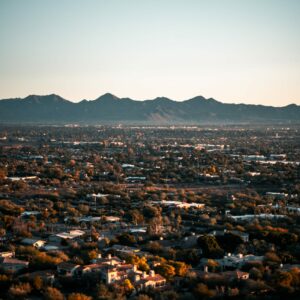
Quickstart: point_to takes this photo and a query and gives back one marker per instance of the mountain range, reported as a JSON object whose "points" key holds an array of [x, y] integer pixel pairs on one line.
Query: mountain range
{"points": [[53, 109]]}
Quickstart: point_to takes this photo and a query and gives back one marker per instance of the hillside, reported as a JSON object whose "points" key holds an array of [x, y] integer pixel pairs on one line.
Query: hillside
{"points": [[110, 109]]}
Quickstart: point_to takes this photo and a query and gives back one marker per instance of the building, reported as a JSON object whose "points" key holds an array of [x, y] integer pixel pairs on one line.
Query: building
{"points": [[37, 243], [243, 235], [71, 235], [179, 204], [8, 254], [236, 275], [113, 270], [47, 276], [151, 280], [13, 264], [67, 269], [238, 260]]}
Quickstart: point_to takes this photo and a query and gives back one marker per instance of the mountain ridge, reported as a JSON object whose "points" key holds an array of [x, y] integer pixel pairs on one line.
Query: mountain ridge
{"points": [[53, 108]]}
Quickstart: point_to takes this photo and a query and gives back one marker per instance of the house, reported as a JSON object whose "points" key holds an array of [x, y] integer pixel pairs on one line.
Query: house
{"points": [[141, 280], [278, 196], [229, 276], [49, 247], [8, 254], [243, 235], [101, 265], [189, 242], [97, 196], [47, 276], [137, 230], [91, 268], [128, 166], [149, 281], [125, 249], [179, 204], [89, 219], [109, 260], [37, 243], [254, 157], [113, 270], [67, 269], [238, 260], [235, 275], [112, 219], [290, 267], [133, 179], [118, 273], [258, 216], [27, 214], [13, 264], [71, 235]]}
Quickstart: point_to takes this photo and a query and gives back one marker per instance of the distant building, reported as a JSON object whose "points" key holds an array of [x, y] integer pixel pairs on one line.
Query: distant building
{"points": [[8, 254], [279, 196], [113, 270], [71, 235], [243, 235], [30, 213], [238, 260], [13, 264], [67, 269], [33, 242], [179, 204], [47, 276]]}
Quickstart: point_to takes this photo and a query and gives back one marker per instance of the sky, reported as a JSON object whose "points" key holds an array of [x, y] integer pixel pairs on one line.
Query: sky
{"points": [[236, 51]]}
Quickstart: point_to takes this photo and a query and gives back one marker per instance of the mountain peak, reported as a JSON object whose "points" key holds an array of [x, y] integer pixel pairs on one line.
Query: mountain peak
{"points": [[162, 99], [45, 98], [201, 98], [107, 97]]}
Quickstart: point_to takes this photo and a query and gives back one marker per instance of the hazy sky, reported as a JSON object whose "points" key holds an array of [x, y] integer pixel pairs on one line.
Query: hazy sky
{"points": [[232, 50]]}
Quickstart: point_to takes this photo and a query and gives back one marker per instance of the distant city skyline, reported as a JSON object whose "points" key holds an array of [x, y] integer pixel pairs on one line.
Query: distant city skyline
{"points": [[234, 51]]}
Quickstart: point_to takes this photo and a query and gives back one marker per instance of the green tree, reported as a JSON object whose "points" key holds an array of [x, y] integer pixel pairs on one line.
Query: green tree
{"points": [[209, 246]]}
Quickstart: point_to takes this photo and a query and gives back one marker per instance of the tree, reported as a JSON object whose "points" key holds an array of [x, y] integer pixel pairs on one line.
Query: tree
{"points": [[209, 246], [19, 290], [229, 241], [126, 239], [2, 232], [79, 296], [166, 270], [202, 291], [272, 257], [128, 285], [212, 264], [92, 254], [53, 294], [143, 297], [180, 267], [283, 279], [142, 264], [102, 292], [155, 227], [136, 217], [154, 247], [255, 273], [3, 173], [37, 283]]}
